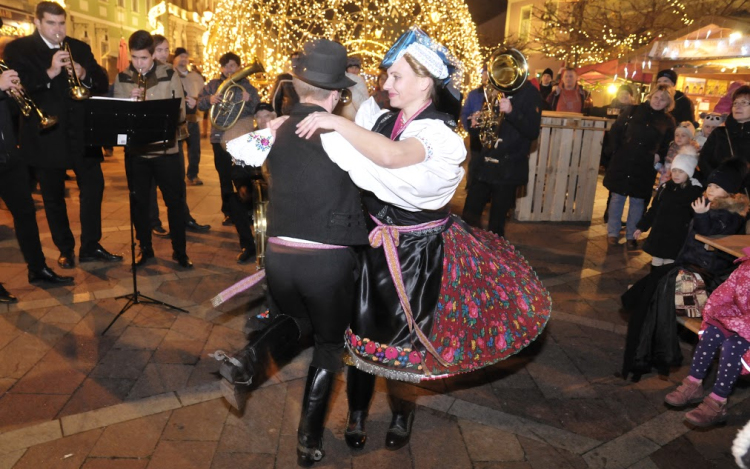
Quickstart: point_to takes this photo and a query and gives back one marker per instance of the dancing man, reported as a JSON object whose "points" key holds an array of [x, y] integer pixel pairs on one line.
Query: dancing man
{"points": [[314, 220]]}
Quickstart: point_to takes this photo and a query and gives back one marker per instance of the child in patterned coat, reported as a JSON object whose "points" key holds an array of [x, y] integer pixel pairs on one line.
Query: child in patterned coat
{"points": [[683, 139], [725, 327]]}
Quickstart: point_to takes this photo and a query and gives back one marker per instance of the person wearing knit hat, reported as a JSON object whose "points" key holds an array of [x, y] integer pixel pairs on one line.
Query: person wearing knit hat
{"points": [[545, 83], [729, 175], [670, 213], [684, 110], [683, 143]]}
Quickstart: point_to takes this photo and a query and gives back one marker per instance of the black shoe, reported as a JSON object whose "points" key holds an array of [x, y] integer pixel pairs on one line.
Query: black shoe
{"points": [[246, 255], [6, 297], [98, 254], [48, 275], [632, 244], [227, 221], [355, 434], [183, 260], [144, 254], [195, 226], [314, 407], [66, 260], [400, 431], [359, 389], [249, 365], [160, 232]]}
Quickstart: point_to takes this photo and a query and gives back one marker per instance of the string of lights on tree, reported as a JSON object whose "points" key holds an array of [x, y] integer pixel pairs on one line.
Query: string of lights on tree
{"points": [[596, 31], [271, 30]]}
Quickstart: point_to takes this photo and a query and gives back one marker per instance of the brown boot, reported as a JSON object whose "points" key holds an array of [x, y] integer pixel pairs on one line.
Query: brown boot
{"points": [[689, 392], [710, 412]]}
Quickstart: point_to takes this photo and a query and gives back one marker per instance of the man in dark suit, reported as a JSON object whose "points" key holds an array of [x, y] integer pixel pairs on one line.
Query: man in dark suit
{"points": [[44, 68], [15, 192]]}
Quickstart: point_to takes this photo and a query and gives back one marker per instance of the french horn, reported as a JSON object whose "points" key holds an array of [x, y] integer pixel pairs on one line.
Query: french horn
{"points": [[225, 113]]}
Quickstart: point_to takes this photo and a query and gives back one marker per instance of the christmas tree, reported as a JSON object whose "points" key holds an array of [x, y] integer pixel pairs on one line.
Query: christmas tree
{"points": [[271, 30]]}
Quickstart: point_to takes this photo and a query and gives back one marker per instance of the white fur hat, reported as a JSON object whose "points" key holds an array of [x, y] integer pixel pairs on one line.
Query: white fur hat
{"points": [[685, 162], [686, 127]]}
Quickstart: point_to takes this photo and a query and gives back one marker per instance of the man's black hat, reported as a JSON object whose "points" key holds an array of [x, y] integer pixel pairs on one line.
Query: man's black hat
{"points": [[322, 63]]}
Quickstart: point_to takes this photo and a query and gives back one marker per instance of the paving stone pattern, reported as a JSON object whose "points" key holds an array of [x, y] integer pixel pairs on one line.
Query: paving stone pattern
{"points": [[145, 394]]}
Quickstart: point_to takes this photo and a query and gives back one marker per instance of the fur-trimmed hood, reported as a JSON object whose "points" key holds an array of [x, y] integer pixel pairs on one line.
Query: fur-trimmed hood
{"points": [[736, 203]]}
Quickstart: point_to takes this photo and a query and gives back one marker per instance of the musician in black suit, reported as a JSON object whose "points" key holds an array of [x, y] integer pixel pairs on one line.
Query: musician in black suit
{"points": [[44, 68], [15, 192]]}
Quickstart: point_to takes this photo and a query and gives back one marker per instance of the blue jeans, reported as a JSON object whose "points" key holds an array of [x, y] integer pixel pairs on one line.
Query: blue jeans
{"points": [[616, 207]]}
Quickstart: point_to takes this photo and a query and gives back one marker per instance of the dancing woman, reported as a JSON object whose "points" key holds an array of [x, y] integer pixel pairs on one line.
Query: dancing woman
{"points": [[436, 298]]}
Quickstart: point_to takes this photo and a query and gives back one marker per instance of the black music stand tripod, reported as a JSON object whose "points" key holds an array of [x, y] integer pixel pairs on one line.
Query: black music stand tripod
{"points": [[132, 124]]}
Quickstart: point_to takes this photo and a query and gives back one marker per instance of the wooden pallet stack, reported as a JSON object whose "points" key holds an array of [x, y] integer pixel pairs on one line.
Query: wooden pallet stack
{"points": [[563, 169]]}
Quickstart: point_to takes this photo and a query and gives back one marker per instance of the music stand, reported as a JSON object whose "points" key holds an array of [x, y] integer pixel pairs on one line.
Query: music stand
{"points": [[116, 122]]}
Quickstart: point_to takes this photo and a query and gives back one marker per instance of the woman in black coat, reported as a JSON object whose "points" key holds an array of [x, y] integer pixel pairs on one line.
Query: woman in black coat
{"points": [[637, 142], [732, 139]]}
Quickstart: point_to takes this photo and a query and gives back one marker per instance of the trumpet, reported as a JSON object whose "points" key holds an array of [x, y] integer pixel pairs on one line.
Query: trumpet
{"points": [[26, 104], [77, 90]]}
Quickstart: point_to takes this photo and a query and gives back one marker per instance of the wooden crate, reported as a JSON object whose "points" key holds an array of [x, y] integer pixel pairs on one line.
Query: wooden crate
{"points": [[563, 169]]}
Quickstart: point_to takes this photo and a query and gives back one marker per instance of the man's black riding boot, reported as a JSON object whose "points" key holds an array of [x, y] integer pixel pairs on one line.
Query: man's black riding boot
{"points": [[359, 389], [402, 398], [314, 407], [251, 362]]}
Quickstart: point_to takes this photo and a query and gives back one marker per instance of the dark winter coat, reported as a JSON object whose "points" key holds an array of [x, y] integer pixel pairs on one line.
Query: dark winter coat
{"points": [[509, 162], [731, 138], [668, 218], [633, 141], [684, 110], [62, 145], [652, 329], [726, 217]]}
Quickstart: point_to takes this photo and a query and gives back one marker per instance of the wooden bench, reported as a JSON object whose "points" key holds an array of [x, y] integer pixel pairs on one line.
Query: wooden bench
{"points": [[691, 324], [731, 245]]}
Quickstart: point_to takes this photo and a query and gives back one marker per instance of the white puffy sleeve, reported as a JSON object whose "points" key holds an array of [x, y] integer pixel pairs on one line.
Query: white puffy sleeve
{"points": [[428, 185]]}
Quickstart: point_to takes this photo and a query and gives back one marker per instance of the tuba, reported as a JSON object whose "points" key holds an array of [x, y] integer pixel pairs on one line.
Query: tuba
{"points": [[26, 104], [507, 72], [259, 222], [77, 90], [224, 114]]}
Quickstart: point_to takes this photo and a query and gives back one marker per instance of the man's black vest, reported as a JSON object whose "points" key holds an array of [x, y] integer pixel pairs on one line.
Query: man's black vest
{"points": [[310, 197]]}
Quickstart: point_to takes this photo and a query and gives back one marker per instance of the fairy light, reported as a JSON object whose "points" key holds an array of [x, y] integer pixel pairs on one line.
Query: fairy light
{"points": [[271, 30]]}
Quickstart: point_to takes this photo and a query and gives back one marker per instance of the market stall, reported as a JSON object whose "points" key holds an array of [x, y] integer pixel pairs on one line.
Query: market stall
{"points": [[708, 56]]}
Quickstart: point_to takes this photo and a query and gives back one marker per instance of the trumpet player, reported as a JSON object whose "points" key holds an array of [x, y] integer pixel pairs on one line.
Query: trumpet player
{"points": [[46, 69], [15, 192], [154, 162]]}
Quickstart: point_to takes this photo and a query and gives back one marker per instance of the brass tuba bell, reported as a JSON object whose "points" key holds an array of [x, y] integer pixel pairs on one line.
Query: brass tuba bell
{"points": [[507, 71]]}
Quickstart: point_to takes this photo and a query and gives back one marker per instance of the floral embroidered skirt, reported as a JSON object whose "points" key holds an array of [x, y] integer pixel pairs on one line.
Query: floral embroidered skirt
{"points": [[472, 294]]}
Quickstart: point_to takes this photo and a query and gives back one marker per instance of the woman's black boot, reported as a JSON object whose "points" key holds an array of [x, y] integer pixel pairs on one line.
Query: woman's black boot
{"points": [[402, 398], [249, 364], [314, 407], [359, 389]]}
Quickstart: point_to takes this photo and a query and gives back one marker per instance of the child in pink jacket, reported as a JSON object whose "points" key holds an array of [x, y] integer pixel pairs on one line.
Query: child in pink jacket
{"points": [[726, 327]]}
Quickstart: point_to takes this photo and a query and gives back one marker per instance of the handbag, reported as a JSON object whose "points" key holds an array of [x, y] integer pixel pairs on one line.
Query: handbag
{"points": [[689, 294]]}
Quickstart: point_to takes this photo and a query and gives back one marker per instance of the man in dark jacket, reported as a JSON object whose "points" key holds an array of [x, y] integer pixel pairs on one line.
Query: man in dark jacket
{"points": [[45, 70], [732, 139], [504, 166], [684, 110], [15, 192]]}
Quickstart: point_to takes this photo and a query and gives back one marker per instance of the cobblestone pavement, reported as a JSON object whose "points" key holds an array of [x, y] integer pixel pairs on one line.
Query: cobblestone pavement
{"points": [[145, 395]]}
